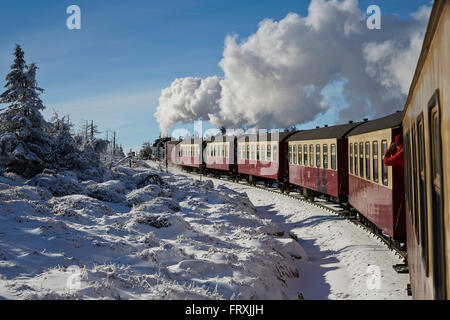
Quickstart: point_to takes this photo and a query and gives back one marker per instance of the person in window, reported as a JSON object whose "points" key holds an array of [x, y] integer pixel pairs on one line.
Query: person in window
{"points": [[394, 155]]}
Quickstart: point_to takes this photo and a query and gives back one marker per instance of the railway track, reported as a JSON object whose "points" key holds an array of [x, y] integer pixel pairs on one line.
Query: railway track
{"points": [[351, 218]]}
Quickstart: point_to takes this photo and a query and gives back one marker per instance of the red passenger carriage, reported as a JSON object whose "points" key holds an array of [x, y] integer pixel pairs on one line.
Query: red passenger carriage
{"points": [[262, 157], [375, 190], [318, 161], [191, 153], [220, 155]]}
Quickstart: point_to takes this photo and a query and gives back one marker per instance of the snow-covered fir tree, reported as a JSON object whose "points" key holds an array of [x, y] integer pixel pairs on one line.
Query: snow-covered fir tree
{"points": [[29, 144], [24, 142]]}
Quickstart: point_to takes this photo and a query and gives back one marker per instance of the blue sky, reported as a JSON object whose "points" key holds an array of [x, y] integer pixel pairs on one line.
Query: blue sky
{"points": [[112, 70]]}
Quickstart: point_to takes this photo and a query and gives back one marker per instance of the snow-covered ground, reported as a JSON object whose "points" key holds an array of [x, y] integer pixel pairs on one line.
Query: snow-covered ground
{"points": [[344, 261], [130, 239]]}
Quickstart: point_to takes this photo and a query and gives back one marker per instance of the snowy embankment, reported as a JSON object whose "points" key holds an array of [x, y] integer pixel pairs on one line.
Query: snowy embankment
{"points": [[132, 238], [344, 261]]}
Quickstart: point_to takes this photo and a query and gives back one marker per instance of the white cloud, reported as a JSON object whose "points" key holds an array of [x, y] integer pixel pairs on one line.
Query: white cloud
{"points": [[186, 100], [275, 77]]}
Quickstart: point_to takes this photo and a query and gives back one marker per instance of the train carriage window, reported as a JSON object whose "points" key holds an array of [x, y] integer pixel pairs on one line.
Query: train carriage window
{"points": [[311, 155], [325, 156], [305, 155], [248, 152], [414, 181], [269, 152], [355, 155], [333, 157], [318, 155], [422, 192], [275, 153], [294, 153], [351, 157], [367, 151], [290, 154], [300, 154], [257, 152], [385, 170], [263, 152], [361, 160], [253, 156], [408, 174], [375, 161], [437, 194]]}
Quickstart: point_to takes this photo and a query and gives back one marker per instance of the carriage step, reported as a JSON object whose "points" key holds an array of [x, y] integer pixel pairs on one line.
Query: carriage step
{"points": [[401, 268]]}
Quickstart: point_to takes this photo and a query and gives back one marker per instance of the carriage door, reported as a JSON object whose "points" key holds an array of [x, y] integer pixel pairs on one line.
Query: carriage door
{"points": [[435, 152]]}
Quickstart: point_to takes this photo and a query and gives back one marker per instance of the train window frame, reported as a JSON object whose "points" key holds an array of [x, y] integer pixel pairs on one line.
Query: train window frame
{"points": [[414, 183], [318, 156], [311, 155], [355, 155], [290, 153], [305, 155], [333, 156], [422, 176], [325, 156], [351, 158], [274, 152], [294, 154], [258, 149], [408, 173], [437, 195], [269, 152], [375, 162], [384, 168], [300, 154], [367, 159], [263, 152], [361, 159]]}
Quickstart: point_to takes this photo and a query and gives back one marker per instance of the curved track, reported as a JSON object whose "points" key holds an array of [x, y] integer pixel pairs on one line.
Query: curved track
{"points": [[326, 205]]}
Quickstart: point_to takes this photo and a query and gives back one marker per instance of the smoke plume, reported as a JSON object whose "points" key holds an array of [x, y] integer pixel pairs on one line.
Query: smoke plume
{"points": [[275, 77]]}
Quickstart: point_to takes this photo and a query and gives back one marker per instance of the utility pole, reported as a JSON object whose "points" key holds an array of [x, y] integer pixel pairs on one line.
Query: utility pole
{"points": [[114, 144], [92, 130], [86, 131]]}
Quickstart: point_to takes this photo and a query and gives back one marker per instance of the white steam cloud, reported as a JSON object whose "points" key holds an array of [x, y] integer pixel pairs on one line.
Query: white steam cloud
{"points": [[275, 77]]}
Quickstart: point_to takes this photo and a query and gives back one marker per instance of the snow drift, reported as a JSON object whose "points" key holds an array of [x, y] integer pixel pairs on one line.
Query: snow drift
{"points": [[182, 239]]}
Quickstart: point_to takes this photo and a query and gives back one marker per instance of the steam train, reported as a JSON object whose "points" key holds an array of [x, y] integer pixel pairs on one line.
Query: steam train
{"points": [[408, 203]]}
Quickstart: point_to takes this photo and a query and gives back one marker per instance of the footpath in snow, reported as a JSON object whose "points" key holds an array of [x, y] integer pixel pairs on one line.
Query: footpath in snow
{"points": [[132, 238], [343, 260]]}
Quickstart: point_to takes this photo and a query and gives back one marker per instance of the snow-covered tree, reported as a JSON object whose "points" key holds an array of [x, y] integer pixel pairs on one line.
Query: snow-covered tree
{"points": [[24, 142]]}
